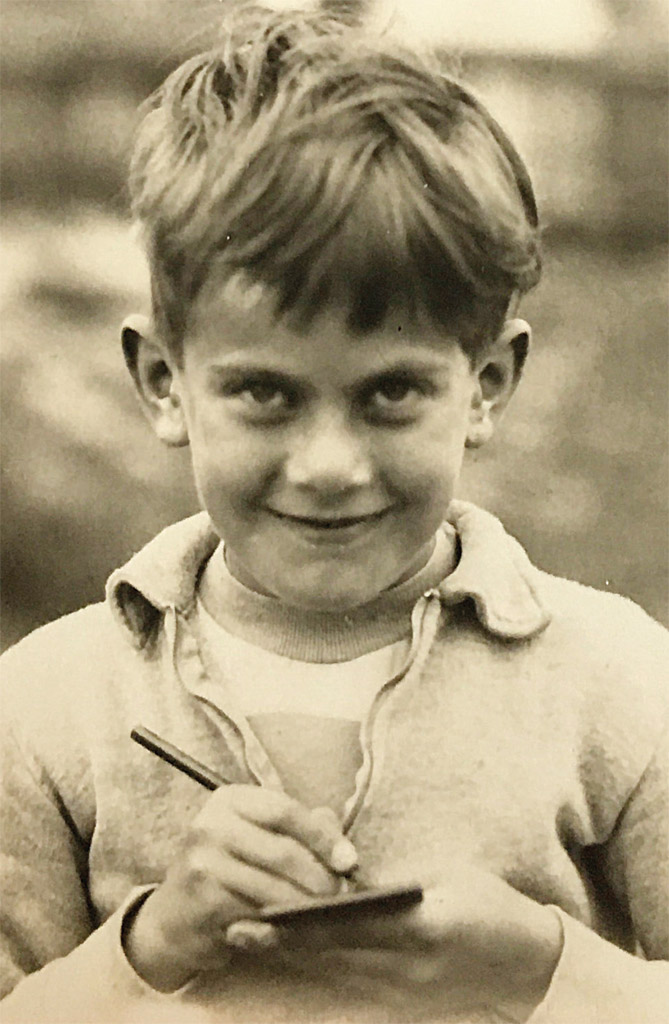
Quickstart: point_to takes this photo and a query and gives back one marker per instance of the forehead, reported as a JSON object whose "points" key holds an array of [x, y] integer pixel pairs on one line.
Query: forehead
{"points": [[236, 317]]}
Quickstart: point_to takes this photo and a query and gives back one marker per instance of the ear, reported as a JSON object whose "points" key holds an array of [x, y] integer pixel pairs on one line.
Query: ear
{"points": [[498, 374], [152, 368]]}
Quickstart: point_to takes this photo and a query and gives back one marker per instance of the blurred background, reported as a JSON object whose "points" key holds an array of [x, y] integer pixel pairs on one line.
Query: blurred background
{"points": [[579, 468]]}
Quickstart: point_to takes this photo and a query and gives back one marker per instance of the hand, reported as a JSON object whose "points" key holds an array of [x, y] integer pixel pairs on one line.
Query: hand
{"points": [[474, 943], [247, 848]]}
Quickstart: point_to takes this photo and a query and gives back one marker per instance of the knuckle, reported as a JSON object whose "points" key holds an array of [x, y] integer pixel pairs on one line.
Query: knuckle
{"points": [[284, 818], [196, 838], [277, 805], [285, 856], [326, 821], [197, 868], [277, 810], [214, 812], [263, 805], [238, 798]]}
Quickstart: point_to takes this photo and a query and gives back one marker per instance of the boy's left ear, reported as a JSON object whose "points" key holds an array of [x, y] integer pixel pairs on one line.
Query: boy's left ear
{"points": [[498, 374]]}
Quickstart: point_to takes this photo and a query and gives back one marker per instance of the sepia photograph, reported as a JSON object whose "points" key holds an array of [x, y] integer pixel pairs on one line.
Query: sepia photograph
{"points": [[334, 385]]}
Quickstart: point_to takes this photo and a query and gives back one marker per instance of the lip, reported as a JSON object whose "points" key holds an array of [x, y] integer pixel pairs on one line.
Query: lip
{"points": [[334, 528]]}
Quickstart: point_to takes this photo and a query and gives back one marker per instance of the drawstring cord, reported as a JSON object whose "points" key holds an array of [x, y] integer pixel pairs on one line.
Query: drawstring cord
{"points": [[425, 619], [424, 625]]}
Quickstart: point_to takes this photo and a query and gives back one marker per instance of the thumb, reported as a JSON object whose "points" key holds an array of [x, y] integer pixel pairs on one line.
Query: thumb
{"points": [[344, 857]]}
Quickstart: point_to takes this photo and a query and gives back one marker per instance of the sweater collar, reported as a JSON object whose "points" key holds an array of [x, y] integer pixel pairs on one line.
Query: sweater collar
{"points": [[493, 571], [307, 635]]}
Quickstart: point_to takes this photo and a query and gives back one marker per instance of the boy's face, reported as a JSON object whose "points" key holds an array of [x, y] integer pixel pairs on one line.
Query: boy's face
{"points": [[326, 460]]}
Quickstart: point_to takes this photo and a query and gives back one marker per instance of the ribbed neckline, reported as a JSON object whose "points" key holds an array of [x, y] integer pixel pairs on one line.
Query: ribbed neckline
{"points": [[322, 636]]}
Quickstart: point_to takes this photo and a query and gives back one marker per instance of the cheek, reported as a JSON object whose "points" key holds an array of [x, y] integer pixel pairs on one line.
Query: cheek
{"points": [[233, 468], [425, 464]]}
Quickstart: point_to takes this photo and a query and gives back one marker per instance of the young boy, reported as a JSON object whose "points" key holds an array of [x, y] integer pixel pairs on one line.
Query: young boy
{"points": [[339, 235]]}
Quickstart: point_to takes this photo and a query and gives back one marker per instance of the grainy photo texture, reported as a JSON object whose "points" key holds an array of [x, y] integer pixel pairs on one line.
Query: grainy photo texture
{"points": [[335, 506]]}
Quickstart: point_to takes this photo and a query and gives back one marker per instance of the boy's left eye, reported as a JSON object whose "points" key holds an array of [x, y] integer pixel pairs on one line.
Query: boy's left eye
{"points": [[397, 395], [393, 391]]}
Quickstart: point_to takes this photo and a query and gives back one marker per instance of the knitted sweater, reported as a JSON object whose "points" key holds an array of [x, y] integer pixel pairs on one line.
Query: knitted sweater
{"points": [[526, 735]]}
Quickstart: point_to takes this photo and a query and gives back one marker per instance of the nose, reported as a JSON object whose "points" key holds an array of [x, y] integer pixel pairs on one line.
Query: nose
{"points": [[329, 456]]}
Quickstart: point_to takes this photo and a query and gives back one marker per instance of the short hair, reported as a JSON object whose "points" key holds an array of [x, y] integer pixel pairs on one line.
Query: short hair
{"points": [[336, 167]]}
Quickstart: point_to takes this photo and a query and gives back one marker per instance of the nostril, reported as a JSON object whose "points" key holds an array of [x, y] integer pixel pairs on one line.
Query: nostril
{"points": [[330, 464], [329, 478]]}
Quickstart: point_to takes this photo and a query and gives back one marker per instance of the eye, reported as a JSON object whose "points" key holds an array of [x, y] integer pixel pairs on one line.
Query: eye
{"points": [[265, 394], [396, 397], [394, 391], [260, 396]]}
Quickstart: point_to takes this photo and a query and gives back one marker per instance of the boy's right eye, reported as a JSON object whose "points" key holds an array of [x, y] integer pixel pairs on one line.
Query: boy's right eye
{"points": [[261, 396]]}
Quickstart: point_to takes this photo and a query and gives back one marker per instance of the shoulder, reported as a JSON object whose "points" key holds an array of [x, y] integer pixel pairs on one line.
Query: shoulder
{"points": [[61, 651], [556, 626], [609, 663], [614, 665], [605, 630], [59, 683]]}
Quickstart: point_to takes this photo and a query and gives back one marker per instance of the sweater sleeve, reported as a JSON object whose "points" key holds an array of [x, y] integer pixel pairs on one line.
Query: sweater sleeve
{"points": [[45, 911], [56, 967], [55, 964], [93, 983], [595, 982]]}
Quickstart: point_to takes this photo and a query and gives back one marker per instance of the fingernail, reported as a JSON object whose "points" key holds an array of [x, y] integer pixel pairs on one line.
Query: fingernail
{"points": [[343, 857], [250, 935]]}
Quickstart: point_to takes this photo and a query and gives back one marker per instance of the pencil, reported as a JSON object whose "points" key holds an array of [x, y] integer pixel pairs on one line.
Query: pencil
{"points": [[186, 764], [194, 769]]}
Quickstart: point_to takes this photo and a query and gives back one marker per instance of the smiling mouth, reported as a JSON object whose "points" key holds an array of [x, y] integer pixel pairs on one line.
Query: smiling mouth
{"points": [[335, 523]]}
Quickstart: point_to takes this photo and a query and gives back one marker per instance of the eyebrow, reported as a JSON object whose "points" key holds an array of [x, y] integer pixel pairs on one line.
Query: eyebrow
{"points": [[238, 372]]}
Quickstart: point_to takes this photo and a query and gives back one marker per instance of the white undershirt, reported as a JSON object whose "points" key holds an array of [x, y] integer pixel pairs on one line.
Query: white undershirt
{"points": [[305, 680], [307, 715], [267, 683]]}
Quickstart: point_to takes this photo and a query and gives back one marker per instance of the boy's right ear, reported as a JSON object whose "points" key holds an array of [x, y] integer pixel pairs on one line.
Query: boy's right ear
{"points": [[152, 369]]}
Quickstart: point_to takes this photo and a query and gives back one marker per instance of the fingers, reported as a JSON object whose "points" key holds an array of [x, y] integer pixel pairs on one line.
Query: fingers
{"points": [[327, 817], [344, 857], [247, 848], [223, 887], [279, 855], [318, 830], [252, 884]]}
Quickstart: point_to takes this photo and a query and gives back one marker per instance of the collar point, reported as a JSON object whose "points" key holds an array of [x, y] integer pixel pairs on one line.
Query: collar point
{"points": [[524, 626]]}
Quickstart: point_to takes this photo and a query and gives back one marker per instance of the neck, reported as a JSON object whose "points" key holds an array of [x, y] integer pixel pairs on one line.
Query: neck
{"points": [[316, 635]]}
